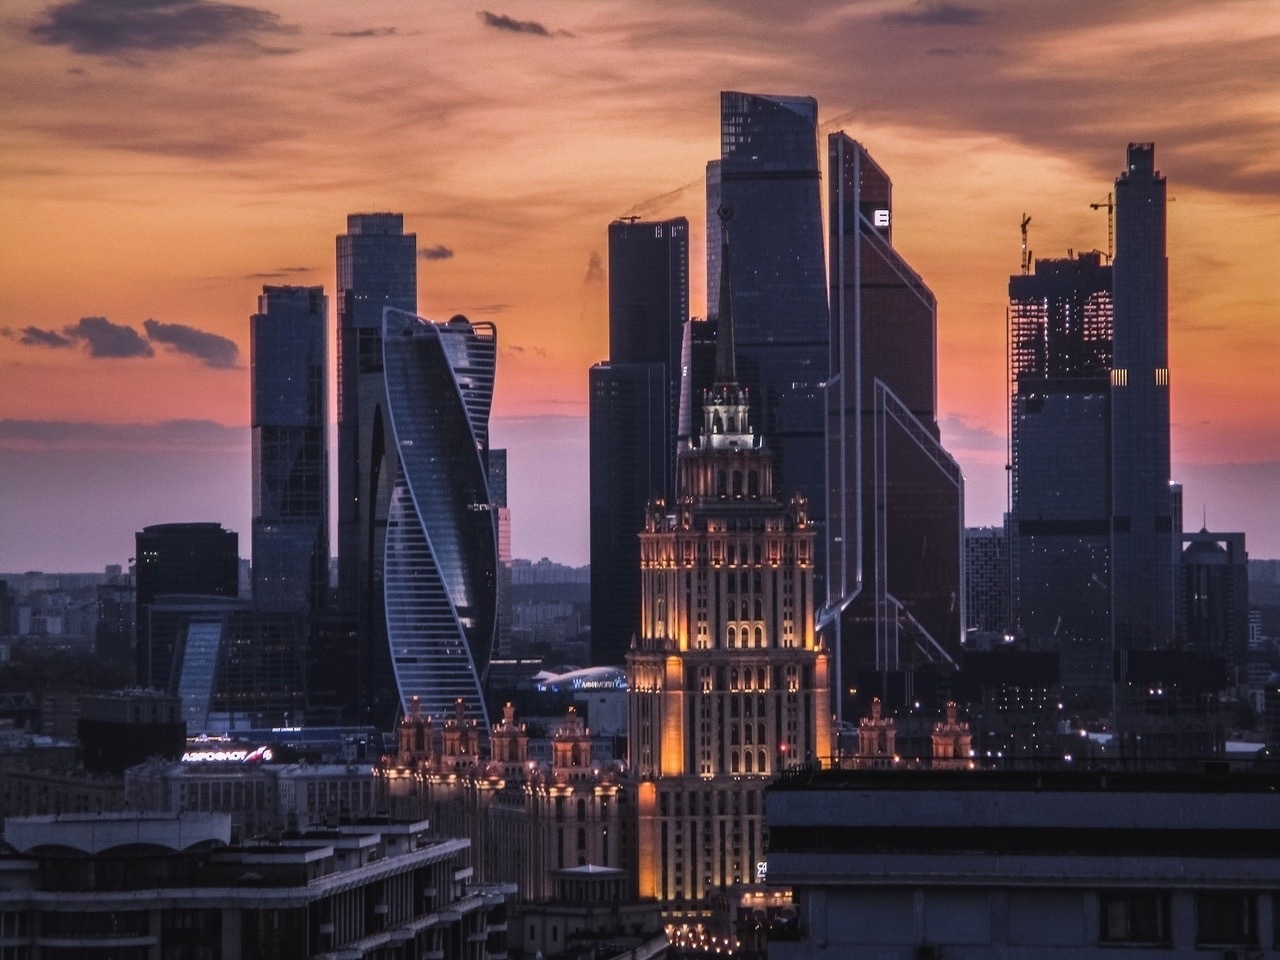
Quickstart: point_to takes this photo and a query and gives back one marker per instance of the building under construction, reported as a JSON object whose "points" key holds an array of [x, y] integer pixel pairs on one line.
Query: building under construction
{"points": [[1060, 357]]}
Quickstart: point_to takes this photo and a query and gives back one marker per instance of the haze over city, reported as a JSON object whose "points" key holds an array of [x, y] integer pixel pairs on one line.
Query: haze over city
{"points": [[165, 160]]}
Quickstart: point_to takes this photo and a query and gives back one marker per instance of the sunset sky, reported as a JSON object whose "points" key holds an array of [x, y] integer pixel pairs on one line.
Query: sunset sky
{"points": [[163, 159]]}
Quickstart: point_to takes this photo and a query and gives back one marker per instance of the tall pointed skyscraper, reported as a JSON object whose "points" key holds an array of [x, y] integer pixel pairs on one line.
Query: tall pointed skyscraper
{"points": [[728, 681], [895, 527], [377, 268], [1141, 508], [768, 175]]}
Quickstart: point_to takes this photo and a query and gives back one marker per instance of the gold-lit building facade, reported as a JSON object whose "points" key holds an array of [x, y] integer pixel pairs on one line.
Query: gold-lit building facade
{"points": [[728, 682], [524, 818]]}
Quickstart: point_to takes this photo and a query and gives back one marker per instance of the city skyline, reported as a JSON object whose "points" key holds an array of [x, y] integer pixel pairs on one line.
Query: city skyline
{"points": [[162, 221]]}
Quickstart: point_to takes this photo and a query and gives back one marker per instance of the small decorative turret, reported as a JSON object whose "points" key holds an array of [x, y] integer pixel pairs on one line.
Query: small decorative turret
{"points": [[460, 739], [952, 743], [415, 736], [571, 748], [877, 738], [509, 744]]}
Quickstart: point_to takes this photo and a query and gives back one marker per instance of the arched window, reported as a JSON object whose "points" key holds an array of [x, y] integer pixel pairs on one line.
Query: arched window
{"points": [[733, 679], [763, 764], [733, 637], [733, 734], [734, 762], [760, 734], [759, 609], [717, 425], [733, 583], [746, 734], [744, 581], [721, 488], [753, 484], [746, 756], [737, 483], [760, 643], [733, 424]]}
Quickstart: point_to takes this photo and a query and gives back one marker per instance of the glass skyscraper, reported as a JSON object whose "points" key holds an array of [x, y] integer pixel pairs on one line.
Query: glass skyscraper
{"points": [[377, 268], [649, 305], [1060, 333], [441, 554], [634, 411], [628, 408], [895, 497], [290, 415], [768, 177], [1142, 528]]}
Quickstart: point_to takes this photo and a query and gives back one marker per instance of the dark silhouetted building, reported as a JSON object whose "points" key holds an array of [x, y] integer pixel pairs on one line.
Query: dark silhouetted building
{"points": [[1142, 548], [290, 414], [634, 410], [441, 563], [1214, 573], [628, 438], [180, 558], [116, 628], [986, 572], [895, 525], [1168, 706], [377, 268], [768, 177], [502, 522], [649, 304], [122, 729], [1060, 333]]}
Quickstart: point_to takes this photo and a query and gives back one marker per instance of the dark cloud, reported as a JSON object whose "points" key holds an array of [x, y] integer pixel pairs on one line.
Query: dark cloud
{"points": [[209, 348], [35, 337], [130, 26], [438, 252], [491, 308], [500, 21], [88, 435], [279, 273], [107, 340], [595, 269], [936, 13], [361, 34]]}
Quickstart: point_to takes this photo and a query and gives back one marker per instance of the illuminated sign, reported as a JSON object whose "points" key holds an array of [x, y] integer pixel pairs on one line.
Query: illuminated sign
{"points": [[260, 755], [880, 218], [762, 871]]}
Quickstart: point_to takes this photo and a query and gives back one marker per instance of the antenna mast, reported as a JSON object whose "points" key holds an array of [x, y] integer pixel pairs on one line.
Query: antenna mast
{"points": [[1026, 253]]}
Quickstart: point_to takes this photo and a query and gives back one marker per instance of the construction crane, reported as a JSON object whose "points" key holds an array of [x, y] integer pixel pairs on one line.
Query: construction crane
{"points": [[1026, 252], [1110, 206]]}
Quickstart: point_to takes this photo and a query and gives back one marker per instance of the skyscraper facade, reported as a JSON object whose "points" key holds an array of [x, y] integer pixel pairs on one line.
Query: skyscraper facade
{"points": [[895, 526], [198, 559], [768, 177], [1142, 549], [649, 305], [728, 680], [634, 412], [986, 577], [629, 446], [289, 416], [377, 268], [697, 375], [1060, 349], [440, 563], [1214, 569]]}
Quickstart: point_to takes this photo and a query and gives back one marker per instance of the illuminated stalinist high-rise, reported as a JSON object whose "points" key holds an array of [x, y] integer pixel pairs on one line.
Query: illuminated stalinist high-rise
{"points": [[728, 682]]}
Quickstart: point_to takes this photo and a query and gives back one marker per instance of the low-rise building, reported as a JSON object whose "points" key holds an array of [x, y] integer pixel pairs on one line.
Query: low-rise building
{"points": [[897, 864], [137, 886]]}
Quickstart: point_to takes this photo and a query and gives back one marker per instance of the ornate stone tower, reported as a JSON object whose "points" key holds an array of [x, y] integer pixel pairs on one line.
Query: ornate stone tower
{"points": [[729, 685]]}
